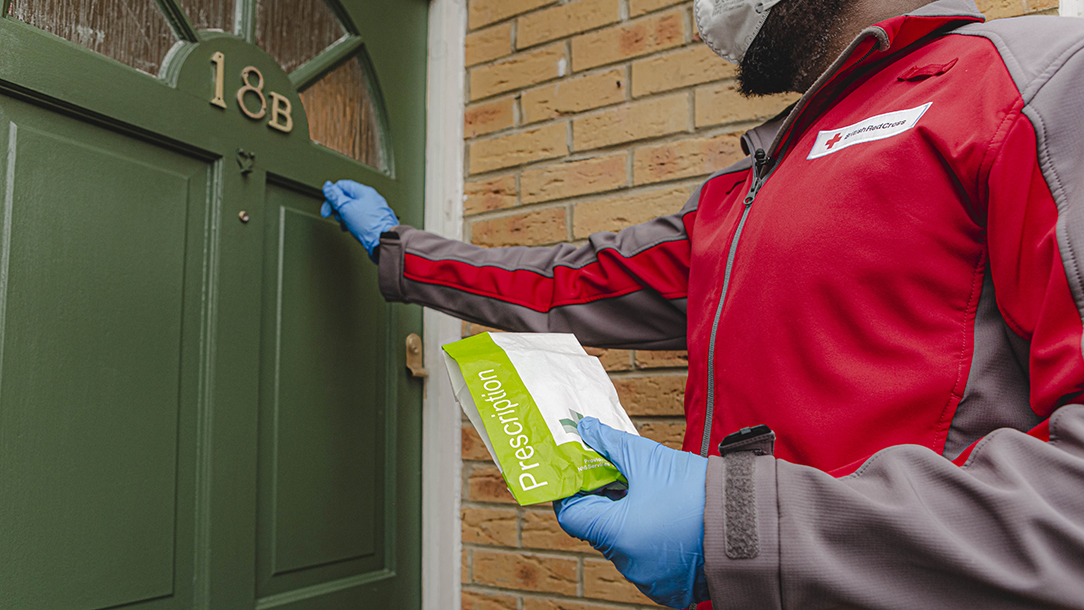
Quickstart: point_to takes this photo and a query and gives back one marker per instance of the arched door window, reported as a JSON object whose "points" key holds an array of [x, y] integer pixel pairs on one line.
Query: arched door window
{"points": [[211, 14], [134, 32], [277, 30], [313, 40]]}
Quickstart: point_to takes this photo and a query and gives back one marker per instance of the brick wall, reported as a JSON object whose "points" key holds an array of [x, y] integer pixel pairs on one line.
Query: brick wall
{"points": [[585, 116]]}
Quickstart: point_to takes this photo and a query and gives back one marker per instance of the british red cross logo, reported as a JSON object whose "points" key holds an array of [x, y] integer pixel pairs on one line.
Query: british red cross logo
{"points": [[835, 140]]}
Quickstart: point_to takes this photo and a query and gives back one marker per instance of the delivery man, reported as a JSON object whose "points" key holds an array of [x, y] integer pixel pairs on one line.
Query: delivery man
{"points": [[892, 281]]}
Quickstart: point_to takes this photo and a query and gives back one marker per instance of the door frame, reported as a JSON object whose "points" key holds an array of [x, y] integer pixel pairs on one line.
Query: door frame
{"points": [[441, 420]]}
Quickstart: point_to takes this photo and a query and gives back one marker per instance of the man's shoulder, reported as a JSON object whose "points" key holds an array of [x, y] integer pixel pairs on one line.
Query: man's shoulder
{"points": [[1038, 29], [1034, 47]]}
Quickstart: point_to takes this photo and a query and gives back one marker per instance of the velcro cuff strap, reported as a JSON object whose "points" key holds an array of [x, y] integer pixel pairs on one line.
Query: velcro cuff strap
{"points": [[391, 261], [741, 531], [740, 507]]}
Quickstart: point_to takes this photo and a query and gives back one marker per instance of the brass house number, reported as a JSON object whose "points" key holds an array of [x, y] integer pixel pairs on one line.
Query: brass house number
{"points": [[280, 116]]}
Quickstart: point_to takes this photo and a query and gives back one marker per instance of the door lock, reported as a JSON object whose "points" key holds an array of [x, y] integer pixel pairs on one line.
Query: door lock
{"points": [[414, 358]]}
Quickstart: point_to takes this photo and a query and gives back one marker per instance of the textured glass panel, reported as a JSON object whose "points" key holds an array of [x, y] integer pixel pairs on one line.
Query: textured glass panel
{"points": [[295, 31], [130, 31], [210, 14], [343, 116]]}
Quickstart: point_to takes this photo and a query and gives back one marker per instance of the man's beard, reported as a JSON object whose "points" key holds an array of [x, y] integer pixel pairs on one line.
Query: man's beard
{"points": [[793, 47]]}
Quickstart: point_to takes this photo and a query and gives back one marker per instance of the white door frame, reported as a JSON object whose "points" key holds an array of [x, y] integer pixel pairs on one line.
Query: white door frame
{"points": [[441, 421], [1071, 8]]}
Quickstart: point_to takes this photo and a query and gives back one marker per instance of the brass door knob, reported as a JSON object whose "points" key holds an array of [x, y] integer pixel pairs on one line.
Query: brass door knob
{"points": [[414, 358]]}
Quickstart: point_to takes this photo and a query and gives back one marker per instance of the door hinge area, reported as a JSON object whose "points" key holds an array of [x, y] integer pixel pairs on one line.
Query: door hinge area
{"points": [[414, 356]]}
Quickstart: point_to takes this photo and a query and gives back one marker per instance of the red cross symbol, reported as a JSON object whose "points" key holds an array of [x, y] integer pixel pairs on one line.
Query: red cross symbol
{"points": [[835, 140]]}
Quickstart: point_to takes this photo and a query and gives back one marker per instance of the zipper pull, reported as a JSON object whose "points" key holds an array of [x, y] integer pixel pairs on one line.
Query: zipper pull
{"points": [[760, 162], [760, 159]]}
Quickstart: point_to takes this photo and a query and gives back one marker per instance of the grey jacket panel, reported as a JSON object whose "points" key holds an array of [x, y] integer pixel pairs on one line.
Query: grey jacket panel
{"points": [[998, 388], [762, 136], [966, 8], [1045, 59], [640, 320], [912, 530]]}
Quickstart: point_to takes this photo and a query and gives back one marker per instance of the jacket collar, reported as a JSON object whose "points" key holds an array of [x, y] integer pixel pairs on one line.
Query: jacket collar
{"points": [[871, 45], [902, 31]]}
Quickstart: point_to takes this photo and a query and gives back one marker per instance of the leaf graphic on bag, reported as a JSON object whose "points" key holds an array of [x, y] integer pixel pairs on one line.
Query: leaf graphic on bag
{"points": [[570, 425]]}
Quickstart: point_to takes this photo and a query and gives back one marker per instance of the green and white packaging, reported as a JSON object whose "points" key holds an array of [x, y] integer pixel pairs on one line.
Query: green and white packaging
{"points": [[524, 393]]}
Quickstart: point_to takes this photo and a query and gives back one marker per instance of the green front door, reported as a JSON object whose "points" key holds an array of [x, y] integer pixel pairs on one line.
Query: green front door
{"points": [[203, 402]]}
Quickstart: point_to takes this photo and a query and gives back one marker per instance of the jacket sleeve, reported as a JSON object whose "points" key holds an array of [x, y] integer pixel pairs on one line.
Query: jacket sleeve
{"points": [[625, 289], [909, 529], [1002, 526]]}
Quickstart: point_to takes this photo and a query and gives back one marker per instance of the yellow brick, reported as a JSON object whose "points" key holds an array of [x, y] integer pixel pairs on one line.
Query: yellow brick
{"points": [[526, 572], [646, 359], [719, 104], [484, 12], [490, 43], [668, 433], [489, 195], [630, 39], [537, 603], [564, 20], [485, 484], [601, 580], [496, 526], [690, 66], [488, 117], [639, 7], [541, 531], [612, 359], [574, 95], [532, 228], [485, 601], [652, 396], [516, 149], [471, 446], [518, 71], [620, 212], [575, 178], [997, 9], [685, 158], [464, 567], [635, 121]]}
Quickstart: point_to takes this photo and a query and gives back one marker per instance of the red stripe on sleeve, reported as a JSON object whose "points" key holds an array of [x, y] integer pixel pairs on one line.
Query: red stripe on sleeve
{"points": [[663, 268]]}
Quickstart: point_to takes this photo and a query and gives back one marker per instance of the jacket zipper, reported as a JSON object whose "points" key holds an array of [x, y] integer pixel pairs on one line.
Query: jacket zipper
{"points": [[760, 164], [763, 165]]}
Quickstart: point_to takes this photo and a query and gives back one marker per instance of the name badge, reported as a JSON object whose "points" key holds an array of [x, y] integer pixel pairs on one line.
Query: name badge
{"points": [[874, 128]]}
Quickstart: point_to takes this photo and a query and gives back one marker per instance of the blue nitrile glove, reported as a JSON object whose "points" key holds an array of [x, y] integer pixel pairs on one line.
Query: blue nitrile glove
{"points": [[655, 534], [360, 210]]}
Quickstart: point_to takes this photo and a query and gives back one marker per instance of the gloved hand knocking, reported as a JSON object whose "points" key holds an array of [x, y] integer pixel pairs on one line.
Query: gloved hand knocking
{"points": [[360, 210], [655, 534]]}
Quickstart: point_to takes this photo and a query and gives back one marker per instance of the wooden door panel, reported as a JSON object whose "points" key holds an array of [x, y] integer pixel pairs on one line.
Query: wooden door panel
{"points": [[203, 402], [324, 407], [96, 409]]}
